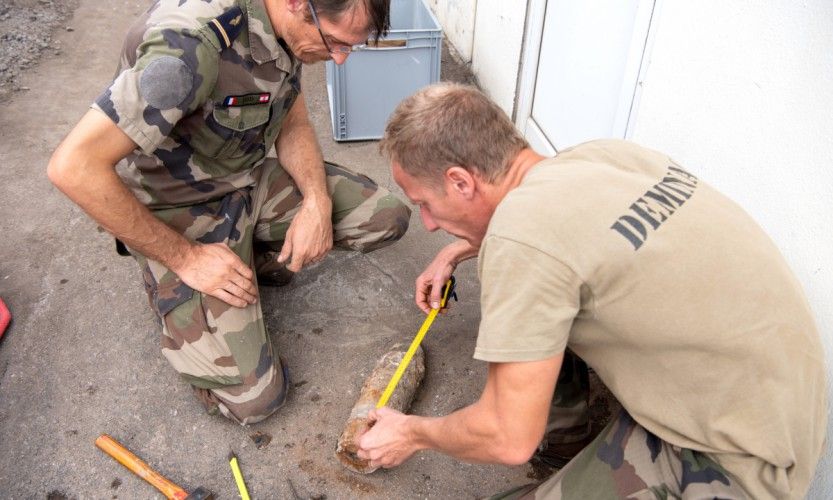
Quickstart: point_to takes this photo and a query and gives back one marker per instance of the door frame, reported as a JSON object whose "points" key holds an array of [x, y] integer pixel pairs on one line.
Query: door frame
{"points": [[635, 71]]}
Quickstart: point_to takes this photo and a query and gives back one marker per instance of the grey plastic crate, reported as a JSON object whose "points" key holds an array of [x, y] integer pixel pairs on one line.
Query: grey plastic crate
{"points": [[365, 90]]}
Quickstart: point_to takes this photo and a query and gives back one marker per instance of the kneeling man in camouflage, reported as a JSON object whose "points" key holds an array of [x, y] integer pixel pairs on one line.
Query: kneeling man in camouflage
{"points": [[221, 186]]}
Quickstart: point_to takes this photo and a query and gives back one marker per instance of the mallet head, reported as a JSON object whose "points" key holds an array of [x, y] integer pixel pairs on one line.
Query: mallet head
{"points": [[200, 494]]}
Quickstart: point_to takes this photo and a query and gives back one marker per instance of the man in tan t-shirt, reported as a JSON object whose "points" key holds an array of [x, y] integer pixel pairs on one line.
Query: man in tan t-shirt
{"points": [[619, 256]]}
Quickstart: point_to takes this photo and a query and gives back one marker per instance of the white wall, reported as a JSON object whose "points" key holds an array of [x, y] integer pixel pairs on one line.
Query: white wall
{"points": [[457, 20], [742, 93], [489, 35], [498, 37]]}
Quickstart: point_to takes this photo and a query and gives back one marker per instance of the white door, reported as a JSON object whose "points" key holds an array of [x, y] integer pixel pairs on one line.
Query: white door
{"points": [[581, 68]]}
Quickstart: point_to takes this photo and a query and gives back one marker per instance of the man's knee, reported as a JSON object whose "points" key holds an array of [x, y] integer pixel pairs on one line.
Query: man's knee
{"points": [[248, 403], [388, 223], [253, 411], [365, 215]]}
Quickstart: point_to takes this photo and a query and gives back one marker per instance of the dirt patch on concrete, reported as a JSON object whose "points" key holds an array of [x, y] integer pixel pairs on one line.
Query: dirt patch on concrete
{"points": [[27, 28]]}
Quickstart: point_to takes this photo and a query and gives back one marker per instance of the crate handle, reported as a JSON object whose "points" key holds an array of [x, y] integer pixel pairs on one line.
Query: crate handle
{"points": [[384, 44]]}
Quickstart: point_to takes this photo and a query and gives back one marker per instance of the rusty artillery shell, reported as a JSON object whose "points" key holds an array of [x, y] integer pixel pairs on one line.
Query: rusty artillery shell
{"points": [[372, 390]]}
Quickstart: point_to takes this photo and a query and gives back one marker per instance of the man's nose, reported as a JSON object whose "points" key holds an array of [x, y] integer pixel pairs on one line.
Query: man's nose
{"points": [[339, 57], [428, 221]]}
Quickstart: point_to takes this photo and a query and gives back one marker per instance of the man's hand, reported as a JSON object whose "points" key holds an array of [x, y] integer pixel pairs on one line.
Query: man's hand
{"points": [[215, 270], [429, 284], [310, 235], [387, 444]]}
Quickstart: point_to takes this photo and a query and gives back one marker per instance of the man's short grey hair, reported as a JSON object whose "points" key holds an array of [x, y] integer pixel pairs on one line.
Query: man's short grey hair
{"points": [[449, 124]]}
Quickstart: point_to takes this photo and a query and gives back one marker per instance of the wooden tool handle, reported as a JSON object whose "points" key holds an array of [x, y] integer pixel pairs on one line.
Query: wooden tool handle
{"points": [[387, 43], [112, 447]]}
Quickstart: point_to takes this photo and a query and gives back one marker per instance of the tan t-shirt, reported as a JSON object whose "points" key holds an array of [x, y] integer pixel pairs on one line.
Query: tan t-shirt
{"points": [[675, 297]]}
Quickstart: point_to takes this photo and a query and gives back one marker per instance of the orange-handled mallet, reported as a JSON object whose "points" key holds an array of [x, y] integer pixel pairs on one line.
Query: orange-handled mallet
{"points": [[113, 448]]}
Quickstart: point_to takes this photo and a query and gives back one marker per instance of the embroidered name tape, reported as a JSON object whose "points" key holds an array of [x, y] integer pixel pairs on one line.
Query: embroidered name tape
{"points": [[246, 100]]}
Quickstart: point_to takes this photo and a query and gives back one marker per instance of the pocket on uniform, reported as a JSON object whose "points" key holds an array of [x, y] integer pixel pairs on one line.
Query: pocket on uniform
{"points": [[165, 297], [240, 127], [242, 118], [232, 132]]}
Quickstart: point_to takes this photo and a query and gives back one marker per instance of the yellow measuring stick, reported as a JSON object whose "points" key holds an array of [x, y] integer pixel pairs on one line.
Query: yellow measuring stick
{"points": [[238, 476], [403, 365]]}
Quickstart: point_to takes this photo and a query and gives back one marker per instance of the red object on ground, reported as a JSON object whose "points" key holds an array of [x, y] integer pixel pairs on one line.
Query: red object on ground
{"points": [[5, 317]]}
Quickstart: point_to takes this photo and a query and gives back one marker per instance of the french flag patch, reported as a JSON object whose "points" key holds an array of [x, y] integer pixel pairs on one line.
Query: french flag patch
{"points": [[246, 100]]}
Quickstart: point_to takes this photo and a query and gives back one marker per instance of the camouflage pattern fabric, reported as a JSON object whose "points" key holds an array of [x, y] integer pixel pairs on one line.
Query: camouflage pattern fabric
{"points": [[626, 461], [202, 87], [224, 351], [569, 418]]}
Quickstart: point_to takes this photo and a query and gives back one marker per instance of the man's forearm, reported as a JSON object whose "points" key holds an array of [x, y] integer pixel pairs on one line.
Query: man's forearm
{"points": [[300, 156], [98, 190], [83, 168], [310, 235], [467, 434], [460, 251]]}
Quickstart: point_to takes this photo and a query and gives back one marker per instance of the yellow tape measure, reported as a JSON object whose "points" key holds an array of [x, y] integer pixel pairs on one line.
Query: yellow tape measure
{"points": [[238, 476], [448, 291]]}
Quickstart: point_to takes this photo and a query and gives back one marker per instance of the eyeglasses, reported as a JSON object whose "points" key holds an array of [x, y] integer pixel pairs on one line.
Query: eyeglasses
{"points": [[342, 49]]}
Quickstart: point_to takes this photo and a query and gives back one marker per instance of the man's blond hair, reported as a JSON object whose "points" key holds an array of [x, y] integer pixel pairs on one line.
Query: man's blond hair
{"points": [[449, 124]]}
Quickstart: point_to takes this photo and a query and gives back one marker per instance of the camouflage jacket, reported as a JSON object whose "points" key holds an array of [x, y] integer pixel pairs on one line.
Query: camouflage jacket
{"points": [[202, 88]]}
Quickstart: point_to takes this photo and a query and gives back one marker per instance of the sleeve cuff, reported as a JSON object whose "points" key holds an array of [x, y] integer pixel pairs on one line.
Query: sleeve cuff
{"points": [[509, 356], [143, 142]]}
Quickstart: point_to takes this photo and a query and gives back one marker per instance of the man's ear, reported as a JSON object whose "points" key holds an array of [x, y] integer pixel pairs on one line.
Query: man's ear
{"points": [[460, 180], [295, 5]]}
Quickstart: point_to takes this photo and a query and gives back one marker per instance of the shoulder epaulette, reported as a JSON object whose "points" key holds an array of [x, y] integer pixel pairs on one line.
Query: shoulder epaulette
{"points": [[228, 26]]}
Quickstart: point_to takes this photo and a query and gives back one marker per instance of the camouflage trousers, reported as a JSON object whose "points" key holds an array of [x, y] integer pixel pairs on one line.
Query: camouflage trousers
{"points": [[224, 352], [569, 418], [624, 460]]}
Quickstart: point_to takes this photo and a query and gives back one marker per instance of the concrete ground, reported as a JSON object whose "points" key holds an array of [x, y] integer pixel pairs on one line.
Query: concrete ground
{"points": [[82, 356]]}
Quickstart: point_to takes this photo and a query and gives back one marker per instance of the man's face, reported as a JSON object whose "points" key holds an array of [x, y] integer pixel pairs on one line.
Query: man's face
{"points": [[310, 44], [445, 207]]}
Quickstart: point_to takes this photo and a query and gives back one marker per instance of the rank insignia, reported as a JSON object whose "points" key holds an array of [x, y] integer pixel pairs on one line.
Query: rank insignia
{"points": [[246, 100]]}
